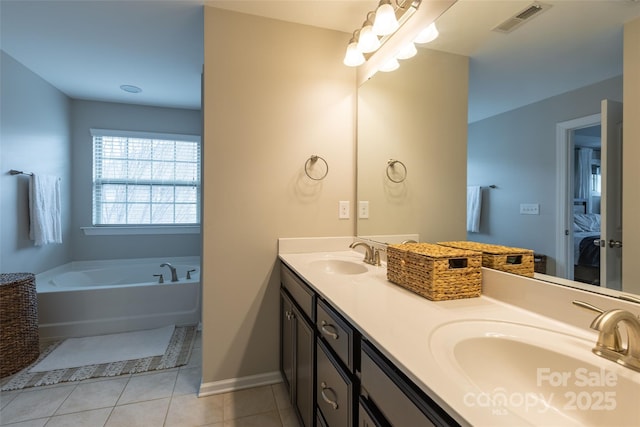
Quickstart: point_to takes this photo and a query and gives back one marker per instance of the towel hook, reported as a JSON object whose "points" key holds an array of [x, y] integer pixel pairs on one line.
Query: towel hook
{"points": [[310, 162], [391, 165]]}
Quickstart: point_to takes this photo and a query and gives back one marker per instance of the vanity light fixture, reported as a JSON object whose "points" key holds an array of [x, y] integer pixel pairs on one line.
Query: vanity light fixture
{"points": [[389, 16], [427, 35], [368, 41], [354, 56], [386, 21], [392, 64], [408, 51]]}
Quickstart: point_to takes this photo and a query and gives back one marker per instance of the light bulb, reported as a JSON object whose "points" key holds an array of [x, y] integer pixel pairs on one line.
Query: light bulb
{"points": [[391, 65], [368, 42], [427, 35], [408, 51], [385, 22], [353, 57]]}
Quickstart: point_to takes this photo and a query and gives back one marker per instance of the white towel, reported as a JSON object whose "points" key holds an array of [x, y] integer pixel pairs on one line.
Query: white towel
{"points": [[44, 209], [474, 206]]}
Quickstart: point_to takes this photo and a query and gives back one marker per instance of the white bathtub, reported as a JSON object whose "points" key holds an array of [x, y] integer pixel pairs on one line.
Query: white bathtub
{"points": [[101, 297]]}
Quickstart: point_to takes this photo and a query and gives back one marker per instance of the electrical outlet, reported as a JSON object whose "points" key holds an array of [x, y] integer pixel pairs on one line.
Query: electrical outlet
{"points": [[363, 209], [529, 209], [343, 209]]}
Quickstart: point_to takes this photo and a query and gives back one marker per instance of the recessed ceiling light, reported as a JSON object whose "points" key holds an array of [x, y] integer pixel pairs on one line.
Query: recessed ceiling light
{"points": [[131, 88]]}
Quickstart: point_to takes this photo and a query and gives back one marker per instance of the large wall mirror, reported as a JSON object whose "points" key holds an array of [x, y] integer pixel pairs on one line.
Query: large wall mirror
{"points": [[551, 72]]}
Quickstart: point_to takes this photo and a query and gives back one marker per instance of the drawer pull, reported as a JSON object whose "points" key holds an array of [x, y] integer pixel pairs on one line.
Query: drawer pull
{"points": [[333, 403], [324, 329], [289, 315]]}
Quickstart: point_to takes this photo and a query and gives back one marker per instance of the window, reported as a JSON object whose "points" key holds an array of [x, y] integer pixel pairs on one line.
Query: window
{"points": [[142, 178]]}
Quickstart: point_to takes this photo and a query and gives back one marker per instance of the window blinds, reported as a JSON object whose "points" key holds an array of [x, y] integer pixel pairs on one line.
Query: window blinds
{"points": [[145, 178]]}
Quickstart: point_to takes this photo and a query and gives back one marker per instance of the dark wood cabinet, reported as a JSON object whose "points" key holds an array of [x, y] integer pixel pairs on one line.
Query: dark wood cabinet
{"points": [[297, 356], [335, 377]]}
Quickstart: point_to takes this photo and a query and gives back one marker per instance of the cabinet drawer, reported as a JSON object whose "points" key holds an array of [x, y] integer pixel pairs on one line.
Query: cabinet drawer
{"points": [[336, 332], [301, 293], [334, 390], [392, 402]]}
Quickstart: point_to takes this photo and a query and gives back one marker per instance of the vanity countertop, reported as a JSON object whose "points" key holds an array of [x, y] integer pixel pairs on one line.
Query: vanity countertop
{"points": [[401, 324]]}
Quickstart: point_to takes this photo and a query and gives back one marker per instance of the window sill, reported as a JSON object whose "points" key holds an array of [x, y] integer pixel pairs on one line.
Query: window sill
{"points": [[139, 230]]}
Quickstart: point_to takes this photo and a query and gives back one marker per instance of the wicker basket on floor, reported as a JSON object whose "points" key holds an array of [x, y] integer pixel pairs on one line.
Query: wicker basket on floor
{"points": [[19, 340], [435, 272], [504, 258]]}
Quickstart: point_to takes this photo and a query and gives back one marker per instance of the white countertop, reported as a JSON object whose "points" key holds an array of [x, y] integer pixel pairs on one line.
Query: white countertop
{"points": [[400, 324]]}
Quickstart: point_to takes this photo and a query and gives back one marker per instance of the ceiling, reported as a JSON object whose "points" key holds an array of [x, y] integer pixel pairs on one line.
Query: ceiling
{"points": [[88, 48]]}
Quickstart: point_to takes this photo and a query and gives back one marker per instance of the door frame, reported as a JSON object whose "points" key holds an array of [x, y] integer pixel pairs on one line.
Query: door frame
{"points": [[564, 186]]}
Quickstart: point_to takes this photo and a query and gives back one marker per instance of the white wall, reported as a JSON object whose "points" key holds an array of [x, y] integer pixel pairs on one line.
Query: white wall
{"points": [[34, 137], [274, 94], [516, 151], [105, 115]]}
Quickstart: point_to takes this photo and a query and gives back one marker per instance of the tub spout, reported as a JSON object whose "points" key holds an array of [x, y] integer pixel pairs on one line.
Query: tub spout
{"points": [[174, 272]]}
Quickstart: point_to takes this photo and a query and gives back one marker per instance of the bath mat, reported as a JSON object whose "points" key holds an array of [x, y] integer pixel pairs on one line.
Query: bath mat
{"points": [[177, 354], [98, 350]]}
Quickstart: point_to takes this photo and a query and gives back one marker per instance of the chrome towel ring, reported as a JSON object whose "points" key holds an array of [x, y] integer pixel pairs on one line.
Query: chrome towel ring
{"points": [[309, 164], [391, 165]]}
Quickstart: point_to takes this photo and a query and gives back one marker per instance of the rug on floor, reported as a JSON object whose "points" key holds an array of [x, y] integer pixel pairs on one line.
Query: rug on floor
{"points": [[177, 354], [103, 349]]}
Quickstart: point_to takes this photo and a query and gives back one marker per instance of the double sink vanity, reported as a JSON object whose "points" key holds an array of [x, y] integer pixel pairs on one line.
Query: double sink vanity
{"points": [[358, 350]]}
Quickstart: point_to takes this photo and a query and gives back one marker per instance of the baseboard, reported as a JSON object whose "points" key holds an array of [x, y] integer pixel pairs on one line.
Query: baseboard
{"points": [[234, 384]]}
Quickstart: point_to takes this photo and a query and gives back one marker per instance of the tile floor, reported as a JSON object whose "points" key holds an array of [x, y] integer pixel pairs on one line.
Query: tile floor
{"points": [[162, 398]]}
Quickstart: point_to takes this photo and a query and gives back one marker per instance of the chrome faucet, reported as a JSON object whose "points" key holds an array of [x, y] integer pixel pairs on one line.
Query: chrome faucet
{"points": [[609, 343], [174, 272], [371, 255]]}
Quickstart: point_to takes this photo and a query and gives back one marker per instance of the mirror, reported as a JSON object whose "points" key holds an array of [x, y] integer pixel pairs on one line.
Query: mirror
{"points": [[523, 165]]}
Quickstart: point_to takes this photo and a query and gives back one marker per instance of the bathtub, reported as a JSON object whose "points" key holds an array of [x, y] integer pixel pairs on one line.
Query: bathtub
{"points": [[101, 297]]}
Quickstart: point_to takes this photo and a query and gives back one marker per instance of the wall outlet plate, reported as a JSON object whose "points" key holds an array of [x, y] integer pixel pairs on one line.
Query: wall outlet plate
{"points": [[529, 209]]}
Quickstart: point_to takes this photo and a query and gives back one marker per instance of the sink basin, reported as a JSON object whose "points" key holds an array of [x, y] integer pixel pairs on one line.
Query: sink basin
{"points": [[538, 376], [338, 266]]}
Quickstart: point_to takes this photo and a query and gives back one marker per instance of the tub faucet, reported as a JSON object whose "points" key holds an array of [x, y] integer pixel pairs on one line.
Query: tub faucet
{"points": [[174, 272]]}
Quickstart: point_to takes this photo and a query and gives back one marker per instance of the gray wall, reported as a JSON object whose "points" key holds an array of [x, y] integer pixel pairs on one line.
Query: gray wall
{"points": [[103, 115], [43, 131], [34, 137], [516, 151]]}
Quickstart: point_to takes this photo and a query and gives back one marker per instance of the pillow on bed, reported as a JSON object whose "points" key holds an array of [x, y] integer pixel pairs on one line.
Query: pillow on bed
{"points": [[586, 222]]}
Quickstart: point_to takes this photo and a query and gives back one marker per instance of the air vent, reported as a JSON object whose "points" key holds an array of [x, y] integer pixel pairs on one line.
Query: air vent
{"points": [[521, 17]]}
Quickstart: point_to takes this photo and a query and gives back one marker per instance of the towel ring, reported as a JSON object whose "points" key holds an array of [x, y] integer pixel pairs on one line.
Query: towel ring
{"points": [[390, 165], [310, 162]]}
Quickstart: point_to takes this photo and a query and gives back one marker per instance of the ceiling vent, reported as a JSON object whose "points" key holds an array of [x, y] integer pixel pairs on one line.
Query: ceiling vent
{"points": [[521, 17]]}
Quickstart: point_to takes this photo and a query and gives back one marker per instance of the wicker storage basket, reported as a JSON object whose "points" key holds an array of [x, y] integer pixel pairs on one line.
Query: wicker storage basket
{"points": [[504, 258], [19, 340], [435, 272]]}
